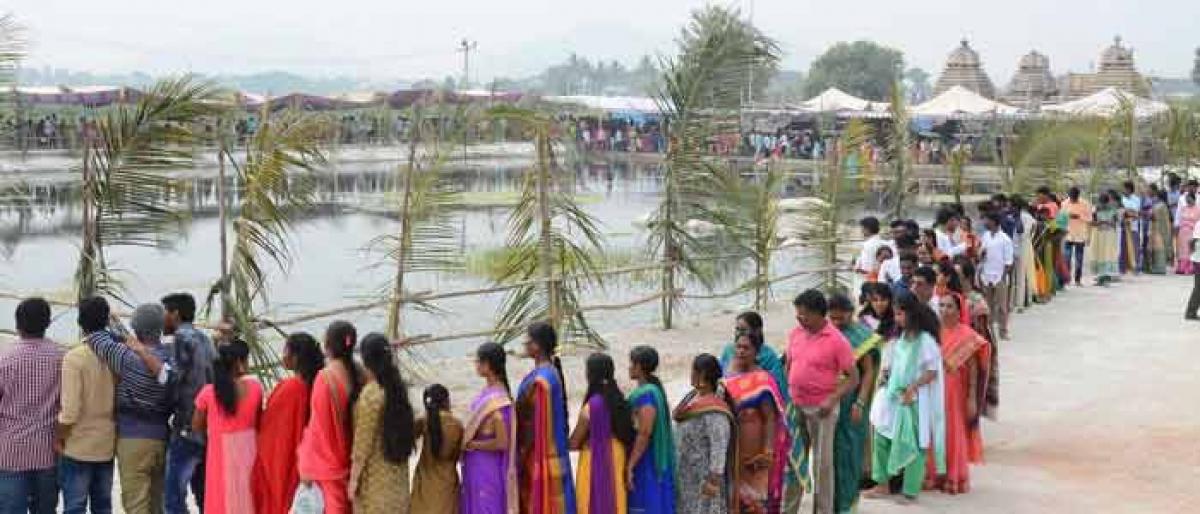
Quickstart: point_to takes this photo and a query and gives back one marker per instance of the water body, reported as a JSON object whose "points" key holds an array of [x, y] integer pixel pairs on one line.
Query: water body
{"points": [[332, 265]]}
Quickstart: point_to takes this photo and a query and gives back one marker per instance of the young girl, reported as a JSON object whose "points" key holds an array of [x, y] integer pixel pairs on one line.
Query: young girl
{"points": [[384, 435], [546, 486], [489, 470], [602, 437], [435, 484], [227, 410], [652, 459], [907, 411]]}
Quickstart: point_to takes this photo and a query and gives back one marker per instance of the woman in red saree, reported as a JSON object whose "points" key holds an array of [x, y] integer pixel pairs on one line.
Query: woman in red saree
{"points": [[965, 357], [275, 476], [323, 456]]}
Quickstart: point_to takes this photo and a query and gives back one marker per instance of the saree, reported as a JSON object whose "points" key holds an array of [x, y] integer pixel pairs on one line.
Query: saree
{"points": [[980, 320], [759, 490], [600, 483], [324, 452], [769, 360], [1160, 243], [965, 357], [545, 466], [703, 441], [1129, 234], [1106, 251], [850, 439], [1189, 216], [1043, 278], [275, 478], [654, 474], [489, 478]]}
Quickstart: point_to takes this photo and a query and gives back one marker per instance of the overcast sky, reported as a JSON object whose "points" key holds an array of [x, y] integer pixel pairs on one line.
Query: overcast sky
{"points": [[417, 38]]}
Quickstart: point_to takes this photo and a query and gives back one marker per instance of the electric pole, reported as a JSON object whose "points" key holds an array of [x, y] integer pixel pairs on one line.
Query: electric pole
{"points": [[466, 47]]}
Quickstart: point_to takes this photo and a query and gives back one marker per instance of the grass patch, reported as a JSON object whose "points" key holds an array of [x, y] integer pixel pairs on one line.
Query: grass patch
{"points": [[490, 263]]}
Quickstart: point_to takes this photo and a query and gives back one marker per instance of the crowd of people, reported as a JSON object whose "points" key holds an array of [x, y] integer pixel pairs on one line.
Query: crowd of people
{"points": [[880, 394]]}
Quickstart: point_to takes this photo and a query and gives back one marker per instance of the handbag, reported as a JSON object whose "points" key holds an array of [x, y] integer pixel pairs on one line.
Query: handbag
{"points": [[308, 500]]}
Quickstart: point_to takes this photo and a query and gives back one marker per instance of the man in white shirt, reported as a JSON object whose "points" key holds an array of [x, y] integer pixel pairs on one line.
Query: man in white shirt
{"points": [[995, 266], [945, 225], [866, 258], [1194, 302]]}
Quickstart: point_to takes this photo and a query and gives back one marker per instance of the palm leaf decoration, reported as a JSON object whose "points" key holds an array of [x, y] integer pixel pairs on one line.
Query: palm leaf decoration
{"points": [[274, 188], [823, 219], [1182, 127], [553, 243], [428, 239], [128, 197], [700, 94], [897, 150], [1047, 153], [959, 157], [747, 212]]}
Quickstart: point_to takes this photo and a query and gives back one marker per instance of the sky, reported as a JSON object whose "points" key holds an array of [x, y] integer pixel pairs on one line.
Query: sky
{"points": [[388, 40]]}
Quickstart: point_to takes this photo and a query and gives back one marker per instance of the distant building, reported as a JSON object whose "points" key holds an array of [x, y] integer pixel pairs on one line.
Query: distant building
{"points": [[963, 68], [1117, 70], [1033, 84]]}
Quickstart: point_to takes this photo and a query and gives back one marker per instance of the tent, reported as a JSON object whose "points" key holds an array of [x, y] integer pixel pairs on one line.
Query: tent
{"points": [[836, 100], [1107, 102], [960, 101], [90, 96], [610, 104]]}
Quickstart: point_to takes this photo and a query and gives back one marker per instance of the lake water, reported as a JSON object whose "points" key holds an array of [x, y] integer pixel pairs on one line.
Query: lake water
{"points": [[331, 266]]}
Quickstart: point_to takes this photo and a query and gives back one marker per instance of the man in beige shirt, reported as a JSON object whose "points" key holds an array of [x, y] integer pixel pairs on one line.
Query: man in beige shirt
{"points": [[86, 437], [1079, 226]]}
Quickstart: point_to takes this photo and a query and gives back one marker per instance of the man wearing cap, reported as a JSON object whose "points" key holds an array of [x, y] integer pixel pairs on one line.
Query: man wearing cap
{"points": [[143, 405]]}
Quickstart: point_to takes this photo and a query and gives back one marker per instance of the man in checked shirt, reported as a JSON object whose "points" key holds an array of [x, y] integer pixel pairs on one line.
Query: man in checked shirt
{"points": [[29, 389]]}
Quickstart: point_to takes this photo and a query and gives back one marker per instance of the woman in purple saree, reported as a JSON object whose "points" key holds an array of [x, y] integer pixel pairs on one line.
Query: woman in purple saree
{"points": [[489, 473]]}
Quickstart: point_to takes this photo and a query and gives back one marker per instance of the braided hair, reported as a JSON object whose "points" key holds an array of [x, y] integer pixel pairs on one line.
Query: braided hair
{"points": [[601, 377], [646, 359]]}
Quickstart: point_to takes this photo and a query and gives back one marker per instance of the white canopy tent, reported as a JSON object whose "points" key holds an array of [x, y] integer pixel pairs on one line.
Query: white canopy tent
{"points": [[959, 101], [1107, 102], [609, 103], [836, 100]]}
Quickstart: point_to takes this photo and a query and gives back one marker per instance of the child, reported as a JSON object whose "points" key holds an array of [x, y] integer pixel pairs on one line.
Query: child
{"points": [[435, 484]]}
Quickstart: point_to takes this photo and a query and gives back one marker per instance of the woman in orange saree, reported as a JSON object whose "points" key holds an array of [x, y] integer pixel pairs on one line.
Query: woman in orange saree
{"points": [[323, 456], [965, 357]]}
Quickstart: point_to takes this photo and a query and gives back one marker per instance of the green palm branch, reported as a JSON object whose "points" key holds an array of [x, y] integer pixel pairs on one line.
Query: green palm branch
{"points": [[553, 242], [129, 198], [274, 187], [897, 140], [1182, 127], [699, 96], [1047, 153], [823, 220], [428, 238]]}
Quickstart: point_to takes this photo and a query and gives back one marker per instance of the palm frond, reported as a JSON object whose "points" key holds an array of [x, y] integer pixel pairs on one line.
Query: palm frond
{"points": [[897, 150], [550, 237], [275, 187], [1047, 153], [129, 197], [823, 219], [700, 92]]}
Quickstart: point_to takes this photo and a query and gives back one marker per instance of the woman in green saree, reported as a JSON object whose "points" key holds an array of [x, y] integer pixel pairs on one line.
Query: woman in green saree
{"points": [[1160, 243]]}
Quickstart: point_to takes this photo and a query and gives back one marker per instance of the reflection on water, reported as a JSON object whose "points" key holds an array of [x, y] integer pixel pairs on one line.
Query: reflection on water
{"points": [[331, 265]]}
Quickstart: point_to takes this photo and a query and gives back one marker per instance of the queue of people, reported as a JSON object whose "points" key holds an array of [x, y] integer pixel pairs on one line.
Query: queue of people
{"points": [[880, 395]]}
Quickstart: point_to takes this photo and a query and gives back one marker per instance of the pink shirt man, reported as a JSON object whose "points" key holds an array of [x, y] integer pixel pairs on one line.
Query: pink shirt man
{"points": [[816, 360]]}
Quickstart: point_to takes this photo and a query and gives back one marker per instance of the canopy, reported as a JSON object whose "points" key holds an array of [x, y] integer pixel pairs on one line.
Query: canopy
{"points": [[959, 100], [91, 96], [1107, 102], [836, 100], [638, 104]]}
